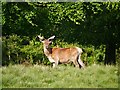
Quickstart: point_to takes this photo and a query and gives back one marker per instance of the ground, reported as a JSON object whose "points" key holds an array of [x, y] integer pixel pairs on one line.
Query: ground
{"points": [[40, 76]]}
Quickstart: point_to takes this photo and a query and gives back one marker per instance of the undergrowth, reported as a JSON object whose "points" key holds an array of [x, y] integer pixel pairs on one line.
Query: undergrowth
{"points": [[17, 49]]}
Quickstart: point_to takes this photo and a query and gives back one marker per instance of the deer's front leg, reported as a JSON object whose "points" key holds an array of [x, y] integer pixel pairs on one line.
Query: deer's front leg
{"points": [[54, 65], [54, 62], [51, 59]]}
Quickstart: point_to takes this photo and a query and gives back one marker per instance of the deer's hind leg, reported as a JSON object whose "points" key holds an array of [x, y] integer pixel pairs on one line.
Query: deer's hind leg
{"points": [[76, 63], [81, 62]]}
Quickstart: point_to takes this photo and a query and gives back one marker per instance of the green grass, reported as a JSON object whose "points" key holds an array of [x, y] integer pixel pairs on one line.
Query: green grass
{"points": [[39, 76]]}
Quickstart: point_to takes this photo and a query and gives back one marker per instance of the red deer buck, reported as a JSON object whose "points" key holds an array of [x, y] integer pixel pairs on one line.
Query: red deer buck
{"points": [[62, 55]]}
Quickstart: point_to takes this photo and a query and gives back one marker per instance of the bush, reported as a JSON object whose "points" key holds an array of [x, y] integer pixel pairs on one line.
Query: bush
{"points": [[10, 49], [90, 55], [17, 50]]}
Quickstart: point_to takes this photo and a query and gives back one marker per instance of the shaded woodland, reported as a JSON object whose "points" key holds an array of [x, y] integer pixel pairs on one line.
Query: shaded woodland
{"points": [[93, 26]]}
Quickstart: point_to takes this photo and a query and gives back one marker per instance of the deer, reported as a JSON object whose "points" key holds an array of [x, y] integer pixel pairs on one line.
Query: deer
{"points": [[61, 55]]}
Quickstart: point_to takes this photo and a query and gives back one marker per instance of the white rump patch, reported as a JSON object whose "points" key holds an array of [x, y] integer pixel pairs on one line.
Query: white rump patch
{"points": [[79, 49]]}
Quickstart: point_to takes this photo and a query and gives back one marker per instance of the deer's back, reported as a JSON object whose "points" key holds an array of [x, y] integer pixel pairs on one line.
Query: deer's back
{"points": [[64, 55]]}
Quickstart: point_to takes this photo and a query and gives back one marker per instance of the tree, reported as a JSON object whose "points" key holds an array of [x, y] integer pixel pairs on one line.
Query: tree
{"points": [[82, 22], [18, 16], [99, 23], [106, 21]]}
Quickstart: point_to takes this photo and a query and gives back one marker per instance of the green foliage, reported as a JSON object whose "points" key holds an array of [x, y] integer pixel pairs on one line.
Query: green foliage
{"points": [[89, 25], [17, 17], [10, 47], [15, 52], [95, 76], [18, 49]]}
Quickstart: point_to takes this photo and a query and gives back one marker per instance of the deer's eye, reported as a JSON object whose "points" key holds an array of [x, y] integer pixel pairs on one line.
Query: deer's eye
{"points": [[50, 40]]}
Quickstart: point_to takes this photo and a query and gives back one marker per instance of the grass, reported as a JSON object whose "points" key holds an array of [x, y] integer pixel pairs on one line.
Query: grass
{"points": [[39, 76]]}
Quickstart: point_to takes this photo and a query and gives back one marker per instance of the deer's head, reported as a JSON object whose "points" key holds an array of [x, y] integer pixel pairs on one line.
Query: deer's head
{"points": [[46, 42]]}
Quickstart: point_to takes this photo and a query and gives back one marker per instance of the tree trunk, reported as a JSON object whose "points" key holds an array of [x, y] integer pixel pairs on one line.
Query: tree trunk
{"points": [[110, 54]]}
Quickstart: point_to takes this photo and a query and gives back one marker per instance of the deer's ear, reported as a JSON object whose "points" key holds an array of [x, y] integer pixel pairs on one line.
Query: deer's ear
{"points": [[51, 37], [41, 38]]}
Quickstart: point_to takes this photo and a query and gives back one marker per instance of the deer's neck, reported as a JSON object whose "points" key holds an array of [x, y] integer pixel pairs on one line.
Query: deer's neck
{"points": [[47, 51]]}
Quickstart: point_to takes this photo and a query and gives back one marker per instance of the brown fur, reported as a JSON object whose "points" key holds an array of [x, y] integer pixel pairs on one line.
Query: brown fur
{"points": [[62, 55]]}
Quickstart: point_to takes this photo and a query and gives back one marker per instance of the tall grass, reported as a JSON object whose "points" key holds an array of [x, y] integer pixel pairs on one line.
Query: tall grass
{"points": [[39, 76]]}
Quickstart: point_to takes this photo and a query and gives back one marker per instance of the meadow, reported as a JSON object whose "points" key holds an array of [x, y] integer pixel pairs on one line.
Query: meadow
{"points": [[92, 26], [41, 76]]}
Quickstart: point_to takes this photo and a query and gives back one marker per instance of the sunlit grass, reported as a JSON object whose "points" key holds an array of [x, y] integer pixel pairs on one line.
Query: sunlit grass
{"points": [[39, 76]]}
